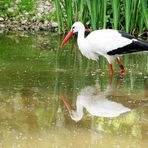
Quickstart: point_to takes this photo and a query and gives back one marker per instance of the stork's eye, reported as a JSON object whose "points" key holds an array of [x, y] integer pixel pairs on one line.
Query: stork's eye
{"points": [[73, 27]]}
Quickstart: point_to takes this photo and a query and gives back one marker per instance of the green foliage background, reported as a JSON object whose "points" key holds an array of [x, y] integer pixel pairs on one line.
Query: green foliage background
{"points": [[128, 15]]}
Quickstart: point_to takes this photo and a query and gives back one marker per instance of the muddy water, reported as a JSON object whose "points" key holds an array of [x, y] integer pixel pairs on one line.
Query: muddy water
{"points": [[35, 74]]}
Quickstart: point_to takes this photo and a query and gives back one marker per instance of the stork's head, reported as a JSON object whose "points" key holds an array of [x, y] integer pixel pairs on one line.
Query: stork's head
{"points": [[76, 27], [76, 116]]}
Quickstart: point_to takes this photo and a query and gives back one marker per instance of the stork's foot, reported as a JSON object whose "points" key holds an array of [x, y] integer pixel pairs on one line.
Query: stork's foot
{"points": [[122, 71]]}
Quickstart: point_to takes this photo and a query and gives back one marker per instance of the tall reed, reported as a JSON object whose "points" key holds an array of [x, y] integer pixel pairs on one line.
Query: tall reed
{"points": [[144, 7], [131, 25], [93, 11], [104, 7], [128, 12], [59, 13], [116, 13], [127, 15]]}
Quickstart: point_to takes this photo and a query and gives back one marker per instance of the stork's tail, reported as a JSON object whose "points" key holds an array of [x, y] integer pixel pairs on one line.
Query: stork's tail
{"points": [[136, 46], [142, 45]]}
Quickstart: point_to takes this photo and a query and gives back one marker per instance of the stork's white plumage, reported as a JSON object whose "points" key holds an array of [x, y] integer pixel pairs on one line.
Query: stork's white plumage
{"points": [[96, 103], [106, 42]]}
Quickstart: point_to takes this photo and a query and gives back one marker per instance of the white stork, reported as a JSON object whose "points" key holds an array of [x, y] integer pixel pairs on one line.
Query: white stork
{"points": [[106, 42]]}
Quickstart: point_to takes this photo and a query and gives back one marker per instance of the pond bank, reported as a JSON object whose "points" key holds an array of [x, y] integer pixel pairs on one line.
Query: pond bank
{"points": [[39, 18], [27, 25]]}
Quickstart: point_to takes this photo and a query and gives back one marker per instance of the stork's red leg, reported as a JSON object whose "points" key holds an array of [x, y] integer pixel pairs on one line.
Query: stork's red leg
{"points": [[111, 69], [120, 65]]}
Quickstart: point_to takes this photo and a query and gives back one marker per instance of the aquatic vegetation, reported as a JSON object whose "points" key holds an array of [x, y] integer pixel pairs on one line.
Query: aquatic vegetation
{"points": [[130, 16]]}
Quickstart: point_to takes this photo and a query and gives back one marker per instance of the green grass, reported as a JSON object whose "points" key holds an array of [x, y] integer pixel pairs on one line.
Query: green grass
{"points": [[10, 8]]}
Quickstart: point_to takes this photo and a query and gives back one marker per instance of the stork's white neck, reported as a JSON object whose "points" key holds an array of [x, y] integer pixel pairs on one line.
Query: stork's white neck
{"points": [[78, 114], [80, 38]]}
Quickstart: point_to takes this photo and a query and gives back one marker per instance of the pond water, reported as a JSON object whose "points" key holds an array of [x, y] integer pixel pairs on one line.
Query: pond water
{"points": [[36, 74]]}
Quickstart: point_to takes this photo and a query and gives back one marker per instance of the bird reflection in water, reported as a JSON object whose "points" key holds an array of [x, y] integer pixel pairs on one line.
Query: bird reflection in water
{"points": [[96, 103]]}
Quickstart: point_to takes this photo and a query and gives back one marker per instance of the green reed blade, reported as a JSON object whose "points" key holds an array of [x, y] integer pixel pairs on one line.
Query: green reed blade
{"points": [[141, 23], [93, 11], [144, 7], [78, 10], [116, 13], [59, 13], [104, 13], [69, 14], [134, 15], [127, 6], [82, 3]]}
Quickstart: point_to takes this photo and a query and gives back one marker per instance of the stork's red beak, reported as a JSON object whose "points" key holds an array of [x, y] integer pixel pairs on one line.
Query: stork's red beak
{"points": [[68, 36], [68, 106]]}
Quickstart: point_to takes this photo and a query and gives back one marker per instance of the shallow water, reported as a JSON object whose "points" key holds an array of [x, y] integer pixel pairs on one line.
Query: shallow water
{"points": [[35, 74]]}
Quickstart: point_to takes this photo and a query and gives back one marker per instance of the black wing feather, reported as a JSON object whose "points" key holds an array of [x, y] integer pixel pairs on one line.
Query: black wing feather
{"points": [[126, 35], [136, 45]]}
